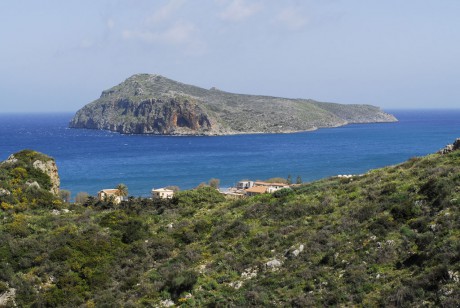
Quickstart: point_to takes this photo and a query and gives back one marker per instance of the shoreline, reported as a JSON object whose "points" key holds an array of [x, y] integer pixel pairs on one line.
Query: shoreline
{"points": [[236, 133]]}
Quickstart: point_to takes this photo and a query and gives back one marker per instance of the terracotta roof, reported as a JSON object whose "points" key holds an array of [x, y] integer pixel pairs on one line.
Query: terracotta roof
{"points": [[109, 191], [257, 189]]}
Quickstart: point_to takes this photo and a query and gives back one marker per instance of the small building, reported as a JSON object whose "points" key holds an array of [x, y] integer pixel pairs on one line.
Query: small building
{"points": [[272, 189], [274, 185], [256, 190], [108, 194], [244, 184], [162, 193]]}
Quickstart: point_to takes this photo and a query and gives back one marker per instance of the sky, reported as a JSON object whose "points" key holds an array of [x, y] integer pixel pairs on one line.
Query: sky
{"points": [[57, 56]]}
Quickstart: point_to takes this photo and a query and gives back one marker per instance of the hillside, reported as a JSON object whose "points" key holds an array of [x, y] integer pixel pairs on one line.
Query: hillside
{"points": [[153, 104], [28, 176], [387, 238]]}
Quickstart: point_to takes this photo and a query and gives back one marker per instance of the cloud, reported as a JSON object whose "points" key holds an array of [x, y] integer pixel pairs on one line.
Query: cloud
{"points": [[292, 18], [165, 12], [238, 10], [178, 33]]}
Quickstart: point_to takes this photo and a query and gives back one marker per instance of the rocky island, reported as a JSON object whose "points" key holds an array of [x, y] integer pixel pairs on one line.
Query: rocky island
{"points": [[153, 104]]}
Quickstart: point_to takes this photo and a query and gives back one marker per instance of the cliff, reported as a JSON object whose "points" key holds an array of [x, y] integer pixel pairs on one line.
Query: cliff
{"points": [[153, 104]]}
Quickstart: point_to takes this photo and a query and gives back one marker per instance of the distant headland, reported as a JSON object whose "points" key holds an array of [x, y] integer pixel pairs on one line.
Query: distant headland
{"points": [[153, 104]]}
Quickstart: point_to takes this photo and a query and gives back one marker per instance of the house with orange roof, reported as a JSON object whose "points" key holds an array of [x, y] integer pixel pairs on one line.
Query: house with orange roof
{"points": [[256, 190], [108, 194]]}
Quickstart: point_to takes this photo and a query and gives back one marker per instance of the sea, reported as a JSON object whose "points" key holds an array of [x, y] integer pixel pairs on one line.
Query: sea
{"points": [[91, 160]]}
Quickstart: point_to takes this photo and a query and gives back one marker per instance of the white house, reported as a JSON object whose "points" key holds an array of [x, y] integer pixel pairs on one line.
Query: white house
{"points": [[244, 184], [162, 193]]}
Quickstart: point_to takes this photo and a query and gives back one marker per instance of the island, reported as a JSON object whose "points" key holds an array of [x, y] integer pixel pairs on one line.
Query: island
{"points": [[153, 104]]}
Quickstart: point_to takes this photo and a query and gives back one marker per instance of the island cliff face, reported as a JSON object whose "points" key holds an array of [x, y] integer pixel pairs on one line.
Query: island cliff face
{"points": [[153, 104]]}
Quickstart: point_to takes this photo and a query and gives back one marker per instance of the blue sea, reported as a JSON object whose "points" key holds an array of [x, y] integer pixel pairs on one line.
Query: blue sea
{"points": [[90, 160]]}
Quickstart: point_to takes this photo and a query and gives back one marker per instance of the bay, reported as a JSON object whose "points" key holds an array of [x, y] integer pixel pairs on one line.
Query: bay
{"points": [[90, 160]]}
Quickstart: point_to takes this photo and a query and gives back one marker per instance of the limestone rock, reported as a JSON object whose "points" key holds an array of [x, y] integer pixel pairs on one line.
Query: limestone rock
{"points": [[7, 299], [273, 265], [450, 147], [49, 167], [33, 184], [4, 192]]}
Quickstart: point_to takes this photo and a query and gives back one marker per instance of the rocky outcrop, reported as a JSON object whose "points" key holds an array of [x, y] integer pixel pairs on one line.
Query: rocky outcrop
{"points": [[152, 104], [7, 298], [173, 116], [49, 167], [450, 147], [31, 159]]}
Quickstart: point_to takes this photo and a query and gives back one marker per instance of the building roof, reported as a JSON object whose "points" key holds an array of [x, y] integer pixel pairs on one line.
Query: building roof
{"points": [[109, 191], [257, 189], [162, 190], [270, 184]]}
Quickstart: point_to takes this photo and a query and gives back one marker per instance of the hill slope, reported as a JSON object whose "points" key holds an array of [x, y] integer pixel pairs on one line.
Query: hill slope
{"points": [[152, 104], [388, 238]]}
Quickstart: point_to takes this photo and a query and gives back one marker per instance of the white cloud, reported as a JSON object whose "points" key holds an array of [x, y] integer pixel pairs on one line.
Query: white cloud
{"points": [[178, 33], [238, 10], [165, 12], [292, 18]]}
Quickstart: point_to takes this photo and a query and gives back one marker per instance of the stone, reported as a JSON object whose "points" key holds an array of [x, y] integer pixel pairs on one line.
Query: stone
{"points": [[450, 147], [33, 184], [4, 192], [167, 303], [49, 167], [273, 265], [8, 298], [10, 160]]}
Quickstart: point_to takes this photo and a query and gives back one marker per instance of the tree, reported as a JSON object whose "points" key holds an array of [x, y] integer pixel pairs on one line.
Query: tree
{"points": [[289, 179], [81, 197], [214, 183], [65, 195], [201, 185], [298, 180], [90, 201], [122, 190]]}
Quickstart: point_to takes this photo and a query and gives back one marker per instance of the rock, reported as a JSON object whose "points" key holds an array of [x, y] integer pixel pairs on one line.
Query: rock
{"points": [[49, 167], [4, 192], [450, 147], [153, 104], [167, 303], [33, 184], [273, 265], [236, 284], [7, 299], [10, 160], [42, 162], [294, 252]]}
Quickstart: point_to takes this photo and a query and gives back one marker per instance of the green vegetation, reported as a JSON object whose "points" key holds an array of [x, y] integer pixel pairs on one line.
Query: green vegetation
{"points": [[387, 238], [23, 185]]}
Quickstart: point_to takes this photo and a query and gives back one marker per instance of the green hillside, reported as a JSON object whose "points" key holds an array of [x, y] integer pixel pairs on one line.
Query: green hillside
{"points": [[388, 238]]}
